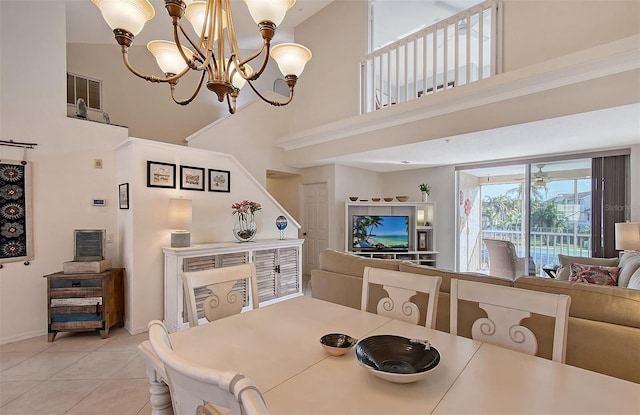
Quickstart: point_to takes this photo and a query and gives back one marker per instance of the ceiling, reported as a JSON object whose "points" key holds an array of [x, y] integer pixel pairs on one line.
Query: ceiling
{"points": [[609, 128], [86, 25]]}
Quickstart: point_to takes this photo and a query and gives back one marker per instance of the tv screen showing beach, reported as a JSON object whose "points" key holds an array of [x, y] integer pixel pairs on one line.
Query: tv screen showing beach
{"points": [[380, 232]]}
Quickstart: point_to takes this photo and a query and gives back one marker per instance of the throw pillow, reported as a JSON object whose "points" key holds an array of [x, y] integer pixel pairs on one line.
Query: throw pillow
{"points": [[566, 260], [634, 282], [594, 274]]}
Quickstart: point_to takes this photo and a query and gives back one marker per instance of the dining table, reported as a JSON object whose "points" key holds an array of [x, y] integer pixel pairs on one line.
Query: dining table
{"points": [[278, 346]]}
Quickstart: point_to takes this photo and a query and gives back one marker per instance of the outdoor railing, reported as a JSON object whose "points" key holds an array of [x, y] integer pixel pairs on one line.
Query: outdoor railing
{"points": [[417, 65], [544, 246]]}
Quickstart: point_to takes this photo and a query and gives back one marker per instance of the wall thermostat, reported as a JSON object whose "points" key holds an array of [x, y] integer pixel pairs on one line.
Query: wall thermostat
{"points": [[99, 202]]}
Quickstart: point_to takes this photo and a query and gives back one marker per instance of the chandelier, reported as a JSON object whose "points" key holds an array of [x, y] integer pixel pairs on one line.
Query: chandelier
{"points": [[212, 22]]}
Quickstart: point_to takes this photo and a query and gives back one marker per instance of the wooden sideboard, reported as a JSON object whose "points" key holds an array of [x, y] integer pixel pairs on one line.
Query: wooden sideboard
{"points": [[278, 266], [85, 302]]}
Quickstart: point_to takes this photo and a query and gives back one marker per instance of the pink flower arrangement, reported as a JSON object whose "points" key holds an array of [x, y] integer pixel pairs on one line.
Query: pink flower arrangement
{"points": [[244, 208]]}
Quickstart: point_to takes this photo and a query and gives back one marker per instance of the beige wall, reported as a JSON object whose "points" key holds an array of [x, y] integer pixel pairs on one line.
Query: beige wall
{"points": [[539, 30], [147, 108], [330, 85], [64, 178]]}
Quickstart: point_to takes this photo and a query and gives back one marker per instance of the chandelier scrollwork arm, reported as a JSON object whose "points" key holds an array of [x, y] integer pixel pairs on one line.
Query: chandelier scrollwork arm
{"points": [[216, 33]]}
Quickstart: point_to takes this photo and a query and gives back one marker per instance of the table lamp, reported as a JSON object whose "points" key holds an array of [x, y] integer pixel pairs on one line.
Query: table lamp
{"points": [[628, 236], [180, 222]]}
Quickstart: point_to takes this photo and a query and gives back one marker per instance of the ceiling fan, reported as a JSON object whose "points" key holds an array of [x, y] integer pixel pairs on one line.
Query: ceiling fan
{"points": [[540, 178]]}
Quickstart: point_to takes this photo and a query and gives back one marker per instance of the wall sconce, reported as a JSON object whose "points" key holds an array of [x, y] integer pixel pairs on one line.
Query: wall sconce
{"points": [[628, 236], [180, 222]]}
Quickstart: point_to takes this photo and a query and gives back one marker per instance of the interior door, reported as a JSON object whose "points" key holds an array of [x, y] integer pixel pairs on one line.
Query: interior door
{"points": [[315, 226]]}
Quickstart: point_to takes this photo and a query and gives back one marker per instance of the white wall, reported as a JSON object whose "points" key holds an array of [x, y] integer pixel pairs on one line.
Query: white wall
{"points": [[64, 178], [352, 181], [249, 136], [146, 229]]}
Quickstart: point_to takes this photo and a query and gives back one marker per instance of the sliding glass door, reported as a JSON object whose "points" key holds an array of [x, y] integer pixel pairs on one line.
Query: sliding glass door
{"points": [[559, 212], [543, 208]]}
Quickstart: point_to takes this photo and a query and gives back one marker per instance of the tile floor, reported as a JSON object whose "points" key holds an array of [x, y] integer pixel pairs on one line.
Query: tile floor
{"points": [[77, 374]]}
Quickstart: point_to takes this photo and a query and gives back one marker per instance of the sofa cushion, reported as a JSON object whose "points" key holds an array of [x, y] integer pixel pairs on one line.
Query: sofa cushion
{"points": [[447, 275], [629, 263], [634, 282], [345, 263], [609, 304], [592, 274], [566, 260]]}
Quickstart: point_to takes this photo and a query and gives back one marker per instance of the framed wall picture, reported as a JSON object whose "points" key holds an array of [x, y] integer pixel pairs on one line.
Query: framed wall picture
{"points": [[161, 174], [192, 178], [219, 180], [123, 196], [423, 244]]}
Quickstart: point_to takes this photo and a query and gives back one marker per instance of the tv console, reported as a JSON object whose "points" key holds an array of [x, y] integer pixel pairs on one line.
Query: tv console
{"points": [[422, 248]]}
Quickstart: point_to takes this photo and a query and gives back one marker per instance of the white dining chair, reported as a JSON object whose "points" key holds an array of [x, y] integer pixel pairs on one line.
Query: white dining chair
{"points": [[199, 390], [506, 307], [400, 287], [220, 292]]}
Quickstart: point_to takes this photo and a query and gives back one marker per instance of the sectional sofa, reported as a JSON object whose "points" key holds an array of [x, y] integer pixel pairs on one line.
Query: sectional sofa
{"points": [[604, 322]]}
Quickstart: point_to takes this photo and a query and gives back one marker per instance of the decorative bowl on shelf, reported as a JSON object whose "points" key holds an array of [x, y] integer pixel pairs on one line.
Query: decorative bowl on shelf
{"points": [[337, 344], [375, 199], [397, 359], [353, 198], [364, 200], [388, 199], [402, 198]]}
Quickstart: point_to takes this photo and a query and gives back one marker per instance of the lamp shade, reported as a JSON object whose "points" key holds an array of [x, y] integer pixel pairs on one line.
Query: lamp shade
{"points": [[196, 14], [628, 236], [130, 15], [237, 80], [168, 56], [179, 214], [291, 58], [269, 10]]}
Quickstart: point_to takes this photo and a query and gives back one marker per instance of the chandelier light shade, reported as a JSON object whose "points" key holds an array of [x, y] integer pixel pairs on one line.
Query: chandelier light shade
{"points": [[290, 58], [129, 15], [168, 56], [215, 53], [269, 11]]}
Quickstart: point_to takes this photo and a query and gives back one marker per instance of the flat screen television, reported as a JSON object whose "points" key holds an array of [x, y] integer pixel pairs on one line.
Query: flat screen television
{"points": [[380, 233]]}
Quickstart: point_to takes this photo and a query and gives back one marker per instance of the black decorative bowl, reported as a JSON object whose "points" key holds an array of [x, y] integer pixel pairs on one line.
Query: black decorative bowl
{"points": [[397, 359], [337, 344]]}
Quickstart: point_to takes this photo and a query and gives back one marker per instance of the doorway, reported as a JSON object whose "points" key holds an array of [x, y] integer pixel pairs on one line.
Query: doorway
{"points": [[315, 224]]}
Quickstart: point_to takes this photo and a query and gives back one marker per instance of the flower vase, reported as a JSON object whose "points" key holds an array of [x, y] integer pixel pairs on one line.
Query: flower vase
{"points": [[244, 230], [424, 197]]}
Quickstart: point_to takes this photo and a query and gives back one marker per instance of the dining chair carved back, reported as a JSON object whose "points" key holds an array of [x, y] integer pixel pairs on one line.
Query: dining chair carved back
{"points": [[506, 307], [219, 292], [400, 288], [199, 390]]}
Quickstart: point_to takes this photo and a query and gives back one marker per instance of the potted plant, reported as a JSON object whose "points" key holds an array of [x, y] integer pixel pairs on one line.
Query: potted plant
{"points": [[425, 189]]}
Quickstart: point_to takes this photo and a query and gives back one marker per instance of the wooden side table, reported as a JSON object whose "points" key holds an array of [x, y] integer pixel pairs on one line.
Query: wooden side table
{"points": [[85, 302]]}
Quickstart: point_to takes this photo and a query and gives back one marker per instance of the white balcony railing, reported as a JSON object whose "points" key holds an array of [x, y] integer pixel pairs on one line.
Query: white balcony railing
{"points": [[417, 65]]}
